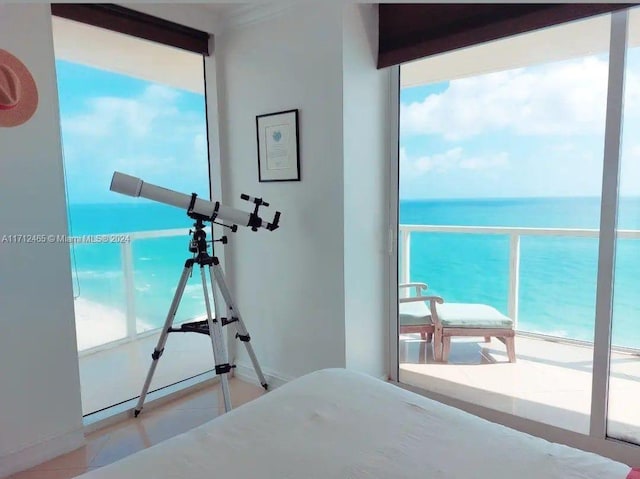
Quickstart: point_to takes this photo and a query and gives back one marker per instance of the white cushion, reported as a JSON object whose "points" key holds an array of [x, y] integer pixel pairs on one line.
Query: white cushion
{"points": [[470, 315], [414, 313]]}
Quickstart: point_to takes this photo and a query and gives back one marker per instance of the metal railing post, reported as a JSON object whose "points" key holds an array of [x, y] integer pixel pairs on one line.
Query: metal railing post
{"points": [[129, 288], [405, 263], [514, 278]]}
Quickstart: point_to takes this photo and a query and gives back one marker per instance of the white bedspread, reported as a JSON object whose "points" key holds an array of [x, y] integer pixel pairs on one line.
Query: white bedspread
{"points": [[338, 424]]}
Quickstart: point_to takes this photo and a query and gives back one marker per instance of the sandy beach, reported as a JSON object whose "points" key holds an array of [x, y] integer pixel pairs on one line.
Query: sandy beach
{"points": [[97, 324]]}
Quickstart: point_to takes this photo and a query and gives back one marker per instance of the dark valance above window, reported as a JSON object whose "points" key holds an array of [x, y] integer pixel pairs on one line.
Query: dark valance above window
{"points": [[137, 24], [411, 31]]}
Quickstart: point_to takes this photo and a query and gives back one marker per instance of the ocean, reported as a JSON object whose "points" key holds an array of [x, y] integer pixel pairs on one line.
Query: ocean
{"points": [[157, 265], [557, 275]]}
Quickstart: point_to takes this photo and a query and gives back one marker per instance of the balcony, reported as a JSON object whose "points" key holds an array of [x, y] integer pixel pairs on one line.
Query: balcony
{"points": [[117, 334], [551, 380]]}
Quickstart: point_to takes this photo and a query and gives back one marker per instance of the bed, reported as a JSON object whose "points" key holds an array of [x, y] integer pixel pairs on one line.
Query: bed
{"points": [[335, 423]]}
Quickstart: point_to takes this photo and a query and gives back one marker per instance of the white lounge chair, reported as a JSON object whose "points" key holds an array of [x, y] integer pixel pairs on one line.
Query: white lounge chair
{"points": [[414, 316], [445, 320]]}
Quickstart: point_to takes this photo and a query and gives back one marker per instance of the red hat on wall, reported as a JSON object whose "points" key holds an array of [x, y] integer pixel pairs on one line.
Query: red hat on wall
{"points": [[18, 92]]}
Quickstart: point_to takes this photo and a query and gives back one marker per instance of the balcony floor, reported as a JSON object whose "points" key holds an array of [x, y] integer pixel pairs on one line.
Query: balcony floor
{"points": [[550, 382], [117, 374]]}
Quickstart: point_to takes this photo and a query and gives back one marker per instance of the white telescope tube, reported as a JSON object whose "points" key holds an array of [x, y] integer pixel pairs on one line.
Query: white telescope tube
{"points": [[132, 186]]}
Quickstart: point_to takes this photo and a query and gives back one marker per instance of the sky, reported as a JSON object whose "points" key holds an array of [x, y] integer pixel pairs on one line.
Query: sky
{"points": [[529, 132], [114, 122]]}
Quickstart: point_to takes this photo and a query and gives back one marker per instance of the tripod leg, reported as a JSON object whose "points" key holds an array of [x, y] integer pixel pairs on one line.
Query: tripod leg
{"points": [[231, 341], [234, 313], [215, 333], [159, 349]]}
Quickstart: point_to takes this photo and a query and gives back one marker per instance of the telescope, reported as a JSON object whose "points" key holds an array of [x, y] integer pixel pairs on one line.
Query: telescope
{"points": [[196, 208], [201, 210]]}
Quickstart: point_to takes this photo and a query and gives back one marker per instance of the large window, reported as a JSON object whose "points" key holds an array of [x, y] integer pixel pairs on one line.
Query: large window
{"points": [[501, 195], [124, 108], [624, 375]]}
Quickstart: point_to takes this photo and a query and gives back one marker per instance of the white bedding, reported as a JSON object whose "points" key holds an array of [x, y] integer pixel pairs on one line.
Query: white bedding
{"points": [[339, 424]]}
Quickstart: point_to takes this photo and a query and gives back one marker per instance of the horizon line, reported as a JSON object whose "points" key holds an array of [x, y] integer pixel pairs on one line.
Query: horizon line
{"points": [[492, 198], [467, 198]]}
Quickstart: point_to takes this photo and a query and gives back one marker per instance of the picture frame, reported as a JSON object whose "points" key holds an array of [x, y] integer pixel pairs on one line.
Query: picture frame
{"points": [[278, 146]]}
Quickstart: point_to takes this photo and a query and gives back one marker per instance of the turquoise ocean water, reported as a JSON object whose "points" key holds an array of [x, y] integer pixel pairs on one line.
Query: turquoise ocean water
{"points": [[157, 262], [557, 275]]}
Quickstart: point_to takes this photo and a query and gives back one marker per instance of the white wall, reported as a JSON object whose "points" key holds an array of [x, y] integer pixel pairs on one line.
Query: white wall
{"points": [[313, 292], [289, 283], [366, 103], [40, 409]]}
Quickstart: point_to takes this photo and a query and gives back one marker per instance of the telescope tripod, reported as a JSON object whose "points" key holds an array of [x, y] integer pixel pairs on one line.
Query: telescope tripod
{"points": [[212, 326]]}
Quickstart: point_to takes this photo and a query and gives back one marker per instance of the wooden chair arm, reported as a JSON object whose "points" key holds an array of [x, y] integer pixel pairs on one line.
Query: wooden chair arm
{"points": [[413, 285], [431, 299], [434, 312], [419, 287]]}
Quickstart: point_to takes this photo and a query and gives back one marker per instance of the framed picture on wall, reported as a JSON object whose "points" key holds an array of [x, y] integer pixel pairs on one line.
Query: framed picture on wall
{"points": [[278, 156]]}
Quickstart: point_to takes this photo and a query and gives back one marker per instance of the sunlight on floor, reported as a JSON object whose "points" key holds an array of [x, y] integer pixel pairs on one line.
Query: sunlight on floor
{"points": [[550, 382], [117, 374]]}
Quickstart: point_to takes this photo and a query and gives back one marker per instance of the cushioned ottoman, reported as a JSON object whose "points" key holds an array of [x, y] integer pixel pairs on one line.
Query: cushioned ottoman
{"points": [[469, 319]]}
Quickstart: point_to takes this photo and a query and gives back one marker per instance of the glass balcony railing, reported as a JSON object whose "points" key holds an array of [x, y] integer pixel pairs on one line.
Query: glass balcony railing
{"points": [[542, 278], [123, 288]]}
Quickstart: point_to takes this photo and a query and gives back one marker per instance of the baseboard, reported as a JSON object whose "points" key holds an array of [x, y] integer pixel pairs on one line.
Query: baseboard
{"points": [[248, 374], [43, 451]]}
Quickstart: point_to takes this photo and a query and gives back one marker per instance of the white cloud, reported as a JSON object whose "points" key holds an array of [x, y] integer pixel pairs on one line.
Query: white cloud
{"points": [[556, 99], [634, 152], [159, 135], [452, 159], [136, 115], [480, 163], [200, 144], [630, 171]]}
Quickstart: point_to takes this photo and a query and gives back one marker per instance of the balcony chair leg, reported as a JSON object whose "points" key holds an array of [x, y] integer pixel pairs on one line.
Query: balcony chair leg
{"points": [[446, 348], [511, 348], [429, 337], [437, 345]]}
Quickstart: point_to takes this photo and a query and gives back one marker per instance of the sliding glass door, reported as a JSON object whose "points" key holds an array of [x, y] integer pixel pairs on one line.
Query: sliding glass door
{"points": [[624, 376], [500, 192], [137, 107], [507, 155]]}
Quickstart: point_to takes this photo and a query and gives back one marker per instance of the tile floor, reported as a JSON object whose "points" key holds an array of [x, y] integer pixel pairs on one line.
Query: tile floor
{"points": [[151, 427], [550, 382]]}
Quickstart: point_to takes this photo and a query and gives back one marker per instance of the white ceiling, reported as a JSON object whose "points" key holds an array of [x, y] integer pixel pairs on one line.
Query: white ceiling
{"points": [[222, 9]]}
